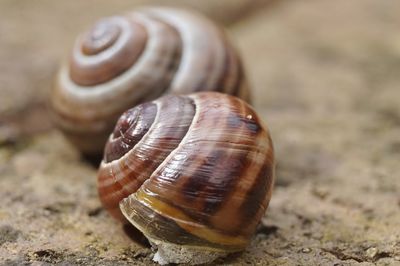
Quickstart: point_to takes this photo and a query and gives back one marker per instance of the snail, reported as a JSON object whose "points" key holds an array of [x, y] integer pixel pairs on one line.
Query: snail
{"points": [[194, 173], [137, 57]]}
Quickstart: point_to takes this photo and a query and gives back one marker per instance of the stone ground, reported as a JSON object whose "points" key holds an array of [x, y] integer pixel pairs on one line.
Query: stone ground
{"points": [[327, 79]]}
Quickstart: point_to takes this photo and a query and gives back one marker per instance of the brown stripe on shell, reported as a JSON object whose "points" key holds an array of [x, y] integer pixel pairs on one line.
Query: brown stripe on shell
{"points": [[233, 167], [203, 82], [231, 209], [188, 158], [94, 61], [229, 76], [86, 119], [257, 198], [241, 89], [187, 189], [232, 78], [225, 164], [129, 130], [164, 136], [240, 79], [270, 161], [216, 189], [203, 50], [100, 37], [244, 89]]}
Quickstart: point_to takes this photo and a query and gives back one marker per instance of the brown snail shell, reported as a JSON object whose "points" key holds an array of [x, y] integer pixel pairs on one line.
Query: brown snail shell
{"points": [[191, 172], [133, 58]]}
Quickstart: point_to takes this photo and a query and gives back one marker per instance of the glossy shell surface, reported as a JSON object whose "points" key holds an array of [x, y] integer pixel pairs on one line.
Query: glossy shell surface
{"points": [[133, 58], [193, 170]]}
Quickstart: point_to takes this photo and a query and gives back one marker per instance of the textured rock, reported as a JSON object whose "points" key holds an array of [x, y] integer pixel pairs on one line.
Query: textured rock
{"points": [[326, 79]]}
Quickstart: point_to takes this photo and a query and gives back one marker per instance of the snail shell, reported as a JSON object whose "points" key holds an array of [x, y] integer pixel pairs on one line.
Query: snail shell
{"points": [[133, 58], [191, 172]]}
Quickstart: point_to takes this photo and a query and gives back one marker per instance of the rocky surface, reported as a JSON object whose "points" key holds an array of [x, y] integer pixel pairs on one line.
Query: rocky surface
{"points": [[326, 76]]}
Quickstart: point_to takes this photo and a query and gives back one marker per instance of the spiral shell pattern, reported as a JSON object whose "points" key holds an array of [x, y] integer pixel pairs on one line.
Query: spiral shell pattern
{"points": [[193, 170], [133, 58]]}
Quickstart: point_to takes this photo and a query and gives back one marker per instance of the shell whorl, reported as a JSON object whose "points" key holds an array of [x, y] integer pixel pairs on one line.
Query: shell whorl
{"points": [[133, 58], [111, 47], [200, 167]]}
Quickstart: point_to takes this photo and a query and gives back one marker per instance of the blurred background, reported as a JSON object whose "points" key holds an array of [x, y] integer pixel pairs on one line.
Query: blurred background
{"points": [[326, 79]]}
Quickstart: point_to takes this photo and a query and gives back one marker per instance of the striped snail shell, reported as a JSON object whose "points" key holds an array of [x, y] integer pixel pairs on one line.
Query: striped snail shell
{"points": [[133, 58], [193, 173]]}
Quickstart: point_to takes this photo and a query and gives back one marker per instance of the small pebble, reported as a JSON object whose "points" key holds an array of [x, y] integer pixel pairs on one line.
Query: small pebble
{"points": [[306, 250], [371, 252]]}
